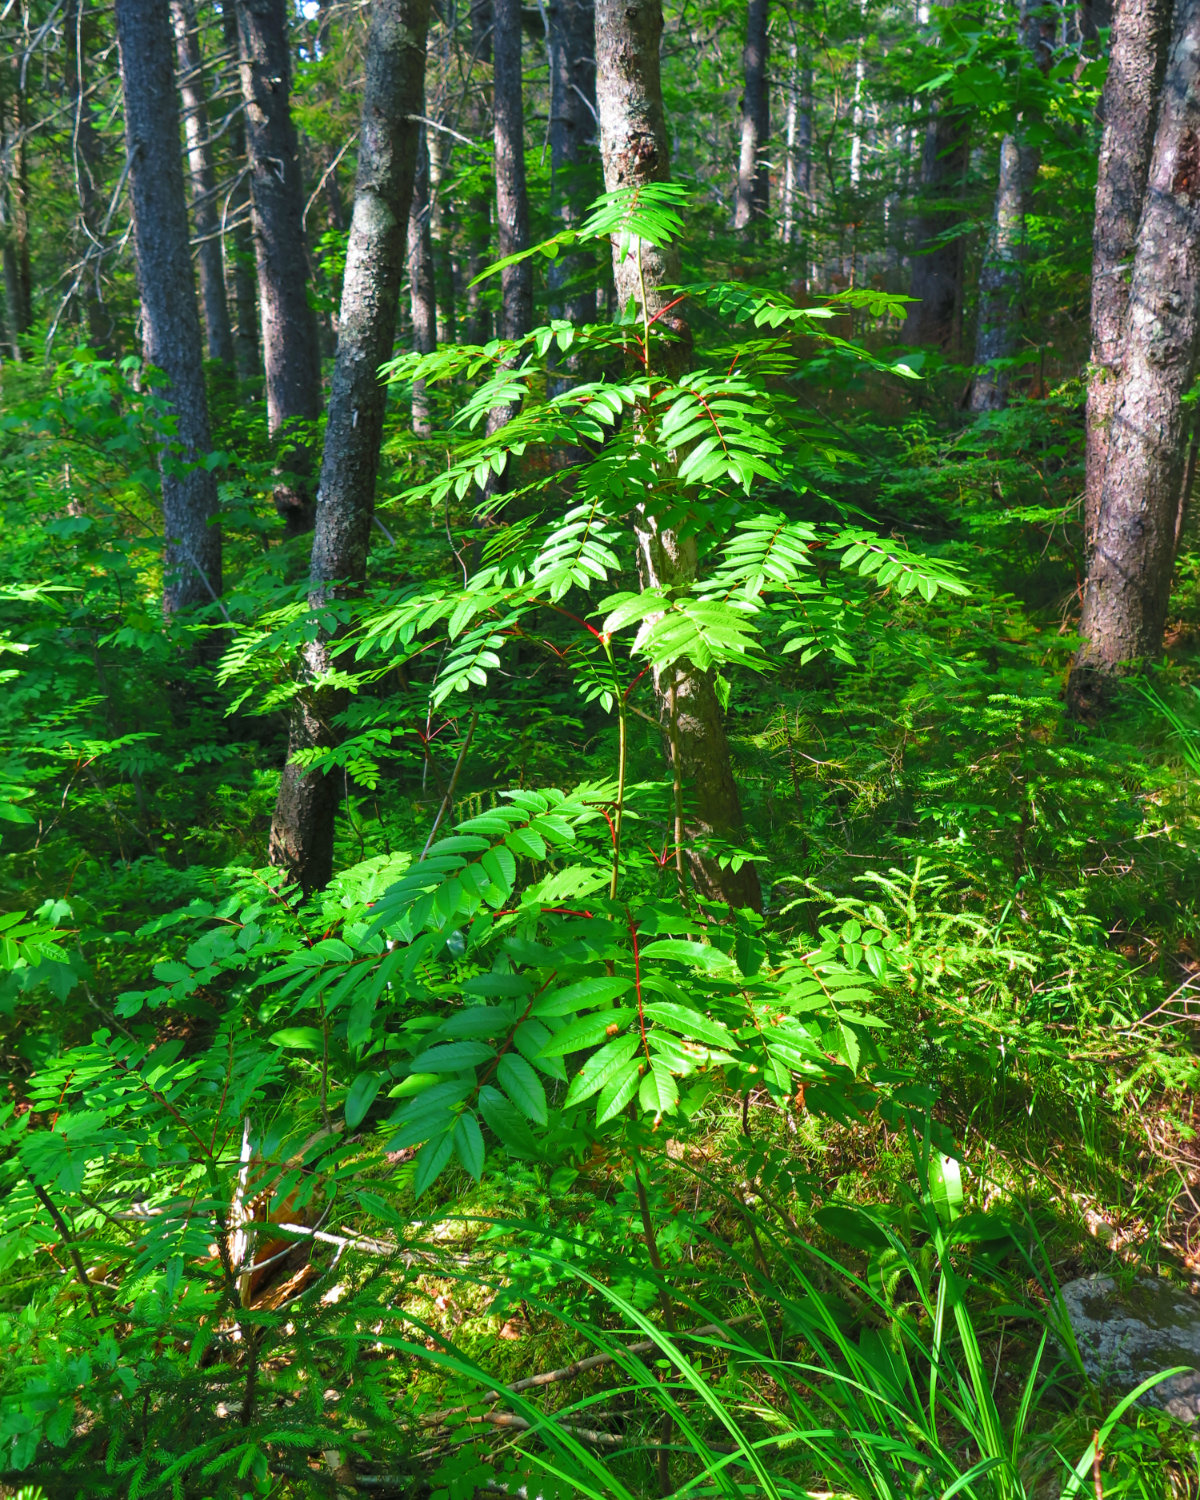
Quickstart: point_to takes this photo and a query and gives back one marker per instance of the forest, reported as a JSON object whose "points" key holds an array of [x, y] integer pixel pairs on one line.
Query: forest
{"points": [[599, 749]]}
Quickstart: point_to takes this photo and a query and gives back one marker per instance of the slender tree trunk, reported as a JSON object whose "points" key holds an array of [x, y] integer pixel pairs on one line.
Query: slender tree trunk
{"points": [[441, 231], [87, 158], [635, 150], [1129, 109], [937, 265], [205, 215], [170, 323], [512, 199], [14, 211], [291, 351], [478, 212], [240, 254], [1127, 589], [856, 109], [422, 290], [303, 827], [1001, 279], [754, 174], [574, 181]]}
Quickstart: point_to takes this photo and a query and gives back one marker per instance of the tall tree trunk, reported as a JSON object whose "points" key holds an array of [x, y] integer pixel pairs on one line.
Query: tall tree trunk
{"points": [[1127, 588], [478, 328], [303, 826], [170, 323], [635, 151], [87, 153], [797, 178], [205, 217], [856, 108], [1129, 108], [291, 352], [14, 210], [573, 178], [441, 230], [422, 291], [754, 174], [937, 265], [512, 199], [241, 239], [937, 260], [1001, 278]]}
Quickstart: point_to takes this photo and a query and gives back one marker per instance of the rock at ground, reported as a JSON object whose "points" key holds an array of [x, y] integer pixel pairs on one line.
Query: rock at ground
{"points": [[1128, 1333]]}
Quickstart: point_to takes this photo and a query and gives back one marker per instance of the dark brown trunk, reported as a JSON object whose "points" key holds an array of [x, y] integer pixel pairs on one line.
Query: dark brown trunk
{"points": [[1127, 589], [421, 289], [240, 248], [754, 176], [170, 324], [291, 352], [635, 151], [478, 225], [441, 229], [14, 211], [512, 200], [1129, 108], [303, 826], [1001, 279], [937, 251], [205, 215]]}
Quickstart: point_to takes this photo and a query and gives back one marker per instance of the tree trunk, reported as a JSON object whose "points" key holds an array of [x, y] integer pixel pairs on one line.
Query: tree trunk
{"points": [[422, 290], [88, 162], [241, 256], [1128, 582], [441, 230], [205, 217], [291, 352], [573, 178], [14, 212], [856, 109], [754, 175], [937, 265], [512, 199], [303, 825], [797, 178], [478, 225], [1129, 109], [170, 323], [998, 333], [635, 151]]}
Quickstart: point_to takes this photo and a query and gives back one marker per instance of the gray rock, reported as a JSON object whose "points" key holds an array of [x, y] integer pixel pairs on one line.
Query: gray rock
{"points": [[1126, 1334]]}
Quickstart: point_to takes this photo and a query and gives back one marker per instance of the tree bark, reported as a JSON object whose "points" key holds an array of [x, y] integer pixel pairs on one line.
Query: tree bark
{"points": [[1001, 278], [754, 175], [205, 217], [937, 266], [170, 324], [441, 230], [1129, 109], [241, 238], [797, 181], [422, 290], [512, 199], [635, 151], [1127, 588], [88, 163], [14, 211], [478, 329], [291, 352], [303, 826], [573, 177]]}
